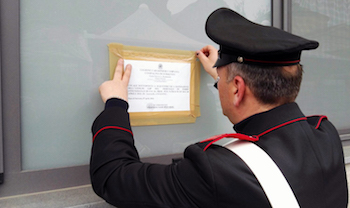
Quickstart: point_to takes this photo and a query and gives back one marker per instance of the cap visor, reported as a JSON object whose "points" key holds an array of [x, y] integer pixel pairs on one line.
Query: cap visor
{"points": [[222, 62]]}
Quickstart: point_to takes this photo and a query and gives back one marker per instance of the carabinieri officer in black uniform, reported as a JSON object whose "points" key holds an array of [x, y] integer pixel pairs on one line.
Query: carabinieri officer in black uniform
{"points": [[260, 78]]}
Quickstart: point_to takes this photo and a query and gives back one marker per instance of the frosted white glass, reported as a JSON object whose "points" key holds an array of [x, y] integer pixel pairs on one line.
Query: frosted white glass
{"points": [[326, 86], [64, 58]]}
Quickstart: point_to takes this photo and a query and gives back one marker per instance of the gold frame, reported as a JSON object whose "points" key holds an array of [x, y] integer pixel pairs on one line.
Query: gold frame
{"points": [[117, 51]]}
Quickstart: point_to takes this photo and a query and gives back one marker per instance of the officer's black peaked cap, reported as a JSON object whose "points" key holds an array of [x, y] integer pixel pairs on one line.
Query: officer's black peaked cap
{"points": [[246, 42]]}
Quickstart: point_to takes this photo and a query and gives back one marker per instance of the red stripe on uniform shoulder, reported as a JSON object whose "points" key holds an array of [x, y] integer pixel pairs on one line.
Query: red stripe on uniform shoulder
{"points": [[319, 121], [216, 138], [321, 117], [111, 127]]}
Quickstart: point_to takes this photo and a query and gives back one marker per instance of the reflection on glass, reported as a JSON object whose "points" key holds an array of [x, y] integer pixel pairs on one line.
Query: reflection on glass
{"points": [[325, 88], [64, 58]]}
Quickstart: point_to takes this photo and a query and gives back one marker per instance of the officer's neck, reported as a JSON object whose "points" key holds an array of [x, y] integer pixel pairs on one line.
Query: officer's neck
{"points": [[249, 107]]}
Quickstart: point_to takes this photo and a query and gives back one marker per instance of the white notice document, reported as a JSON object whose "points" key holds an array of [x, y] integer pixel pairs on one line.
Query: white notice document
{"points": [[159, 86]]}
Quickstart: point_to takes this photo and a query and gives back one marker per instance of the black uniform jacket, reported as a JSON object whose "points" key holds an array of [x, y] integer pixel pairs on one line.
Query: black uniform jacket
{"points": [[309, 155]]}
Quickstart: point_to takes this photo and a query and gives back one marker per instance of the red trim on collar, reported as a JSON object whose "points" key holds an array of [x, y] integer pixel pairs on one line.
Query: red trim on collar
{"points": [[281, 125], [111, 127], [252, 138]]}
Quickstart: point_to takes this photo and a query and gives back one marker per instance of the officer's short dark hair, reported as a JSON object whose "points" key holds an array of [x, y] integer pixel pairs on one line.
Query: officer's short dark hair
{"points": [[269, 84]]}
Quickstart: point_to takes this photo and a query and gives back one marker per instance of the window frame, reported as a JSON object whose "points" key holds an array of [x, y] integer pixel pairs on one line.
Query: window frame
{"points": [[17, 181], [1, 137]]}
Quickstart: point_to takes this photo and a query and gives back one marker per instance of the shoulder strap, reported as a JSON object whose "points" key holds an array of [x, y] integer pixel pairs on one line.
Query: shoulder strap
{"points": [[267, 172]]}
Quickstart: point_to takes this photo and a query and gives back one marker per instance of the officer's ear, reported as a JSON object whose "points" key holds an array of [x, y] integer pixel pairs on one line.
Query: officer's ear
{"points": [[239, 91]]}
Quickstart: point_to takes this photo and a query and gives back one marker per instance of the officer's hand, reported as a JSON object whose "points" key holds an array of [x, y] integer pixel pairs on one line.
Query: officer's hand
{"points": [[118, 86], [208, 56]]}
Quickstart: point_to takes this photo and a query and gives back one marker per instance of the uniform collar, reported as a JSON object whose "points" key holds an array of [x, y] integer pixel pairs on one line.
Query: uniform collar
{"points": [[261, 122]]}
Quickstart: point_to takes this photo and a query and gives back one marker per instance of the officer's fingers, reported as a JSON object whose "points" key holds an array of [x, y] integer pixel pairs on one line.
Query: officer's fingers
{"points": [[202, 57], [118, 73], [127, 74], [207, 64], [206, 50], [210, 52], [211, 49], [206, 61]]}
